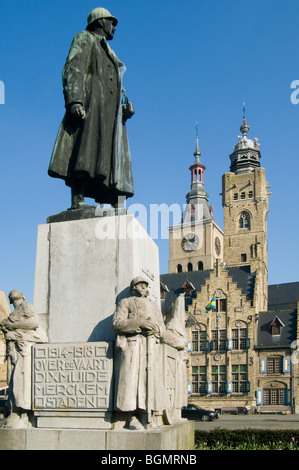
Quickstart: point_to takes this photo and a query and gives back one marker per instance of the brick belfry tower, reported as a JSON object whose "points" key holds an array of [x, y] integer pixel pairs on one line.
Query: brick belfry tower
{"points": [[245, 202]]}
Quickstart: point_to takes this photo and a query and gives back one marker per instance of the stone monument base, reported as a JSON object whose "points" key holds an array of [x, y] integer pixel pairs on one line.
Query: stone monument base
{"points": [[179, 436]]}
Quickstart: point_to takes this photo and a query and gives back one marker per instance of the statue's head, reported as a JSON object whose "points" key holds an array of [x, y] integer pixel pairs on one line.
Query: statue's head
{"points": [[139, 287], [98, 14], [15, 295], [100, 21]]}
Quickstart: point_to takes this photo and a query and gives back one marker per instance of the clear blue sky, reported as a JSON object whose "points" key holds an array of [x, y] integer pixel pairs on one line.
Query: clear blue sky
{"points": [[186, 61]]}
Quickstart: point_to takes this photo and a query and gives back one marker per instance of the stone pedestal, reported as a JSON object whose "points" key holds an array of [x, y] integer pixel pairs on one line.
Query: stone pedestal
{"points": [[175, 437], [83, 267]]}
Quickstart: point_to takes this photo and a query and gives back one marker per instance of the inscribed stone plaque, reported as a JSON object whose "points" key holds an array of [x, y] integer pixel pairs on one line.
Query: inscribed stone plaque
{"points": [[72, 376]]}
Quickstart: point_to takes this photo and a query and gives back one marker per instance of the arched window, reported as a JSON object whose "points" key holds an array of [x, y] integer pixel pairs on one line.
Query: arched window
{"points": [[244, 220], [200, 266], [190, 267], [179, 268]]}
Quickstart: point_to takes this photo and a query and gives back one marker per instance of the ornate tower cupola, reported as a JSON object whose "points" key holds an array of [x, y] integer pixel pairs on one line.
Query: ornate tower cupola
{"points": [[197, 208], [246, 155]]}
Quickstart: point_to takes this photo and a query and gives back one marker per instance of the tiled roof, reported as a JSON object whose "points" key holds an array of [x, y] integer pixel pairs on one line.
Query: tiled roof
{"points": [[283, 296], [175, 282], [265, 339]]}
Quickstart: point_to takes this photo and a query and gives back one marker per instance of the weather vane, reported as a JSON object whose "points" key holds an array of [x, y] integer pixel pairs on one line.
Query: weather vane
{"points": [[196, 128]]}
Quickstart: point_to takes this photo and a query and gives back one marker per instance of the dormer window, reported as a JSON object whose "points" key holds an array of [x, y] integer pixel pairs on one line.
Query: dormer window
{"points": [[188, 288], [276, 326]]}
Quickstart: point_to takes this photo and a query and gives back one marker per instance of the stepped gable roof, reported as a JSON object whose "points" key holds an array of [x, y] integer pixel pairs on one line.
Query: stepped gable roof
{"points": [[288, 330], [175, 282], [244, 279]]}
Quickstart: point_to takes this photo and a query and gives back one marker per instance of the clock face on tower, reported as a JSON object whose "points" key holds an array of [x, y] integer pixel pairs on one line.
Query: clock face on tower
{"points": [[217, 246], [190, 242]]}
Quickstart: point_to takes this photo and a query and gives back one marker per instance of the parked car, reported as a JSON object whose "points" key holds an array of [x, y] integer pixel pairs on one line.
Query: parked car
{"points": [[196, 412], [4, 410]]}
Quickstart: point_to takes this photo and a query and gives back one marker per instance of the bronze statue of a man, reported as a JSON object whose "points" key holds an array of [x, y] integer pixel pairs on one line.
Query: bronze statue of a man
{"points": [[91, 153]]}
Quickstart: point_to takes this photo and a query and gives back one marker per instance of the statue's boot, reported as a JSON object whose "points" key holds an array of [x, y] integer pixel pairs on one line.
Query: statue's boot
{"points": [[78, 191], [17, 421], [135, 424]]}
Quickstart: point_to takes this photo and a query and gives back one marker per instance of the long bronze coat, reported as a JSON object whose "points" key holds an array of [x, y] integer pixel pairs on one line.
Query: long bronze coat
{"points": [[96, 147]]}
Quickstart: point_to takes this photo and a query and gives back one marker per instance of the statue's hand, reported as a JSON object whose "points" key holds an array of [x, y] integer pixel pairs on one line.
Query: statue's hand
{"points": [[149, 327], [78, 111], [128, 110]]}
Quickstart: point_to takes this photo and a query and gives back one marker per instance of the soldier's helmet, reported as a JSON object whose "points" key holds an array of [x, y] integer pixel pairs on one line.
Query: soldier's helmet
{"points": [[98, 13], [136, 280]]}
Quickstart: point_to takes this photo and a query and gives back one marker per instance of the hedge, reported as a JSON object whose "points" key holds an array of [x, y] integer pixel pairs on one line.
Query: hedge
{"points": [[253, 438]]}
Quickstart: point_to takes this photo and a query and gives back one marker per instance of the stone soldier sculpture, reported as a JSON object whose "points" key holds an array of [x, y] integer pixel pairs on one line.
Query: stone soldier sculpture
{"points": [[139, 326], [176, 336], [91, 153], [21, 331]]}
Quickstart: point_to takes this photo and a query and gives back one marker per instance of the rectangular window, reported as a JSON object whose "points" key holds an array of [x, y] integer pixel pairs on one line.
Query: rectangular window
{"points": [[275, 330], [195, 338], [243, 258], [203, 341], [235, 196], [274, 365], [219, 379], [220, 305], [243, 195], [239, 378], [199, 341], [239, 337], [199, 379], [275, 396], [250, 194], [218, 340]]}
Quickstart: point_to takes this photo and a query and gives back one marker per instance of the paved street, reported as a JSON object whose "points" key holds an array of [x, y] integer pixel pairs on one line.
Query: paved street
{"points": [[262, 421]]}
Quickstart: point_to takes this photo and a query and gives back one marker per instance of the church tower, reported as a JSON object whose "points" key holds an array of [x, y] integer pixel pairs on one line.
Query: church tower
{"points": [[195, 243], [245, 203]]}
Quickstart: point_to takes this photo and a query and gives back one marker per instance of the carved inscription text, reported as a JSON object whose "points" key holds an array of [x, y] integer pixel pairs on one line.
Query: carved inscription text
{"points": [[72, 376]]}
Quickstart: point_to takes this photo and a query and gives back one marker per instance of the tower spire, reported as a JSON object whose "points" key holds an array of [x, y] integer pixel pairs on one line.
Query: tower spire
{"points": [[244, 127], [197, 208], [197, 152]]}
